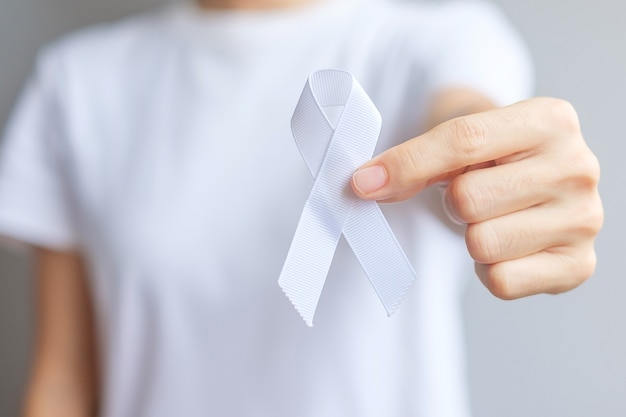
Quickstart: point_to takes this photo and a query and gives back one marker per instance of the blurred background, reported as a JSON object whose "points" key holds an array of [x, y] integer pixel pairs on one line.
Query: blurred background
{"points": [[542, 356]]}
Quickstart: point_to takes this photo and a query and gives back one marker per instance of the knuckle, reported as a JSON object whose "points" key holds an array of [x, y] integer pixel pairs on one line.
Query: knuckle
{"points": [[577, 170], [587, 170], [498, 282], [468, 135], [591, 218], [595, 215], [593, 168], [563, 114], [482, 243], [580, 266], [587, 266], [583, 265]]}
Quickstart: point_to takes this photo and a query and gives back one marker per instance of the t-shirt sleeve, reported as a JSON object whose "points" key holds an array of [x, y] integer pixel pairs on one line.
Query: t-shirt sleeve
{"points": [[481, 50], [35, 202]]}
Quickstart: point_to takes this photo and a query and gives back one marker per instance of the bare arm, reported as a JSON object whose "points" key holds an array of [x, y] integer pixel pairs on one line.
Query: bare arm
{"points": [[63, 380]]}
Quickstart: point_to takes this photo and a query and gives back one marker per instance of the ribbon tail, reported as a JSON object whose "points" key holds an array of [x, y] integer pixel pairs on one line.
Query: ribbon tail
{"points": [[379, 253], [310, 255]]}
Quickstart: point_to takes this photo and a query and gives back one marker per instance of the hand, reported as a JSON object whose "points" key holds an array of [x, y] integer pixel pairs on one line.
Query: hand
{"points": [[523, 180]]}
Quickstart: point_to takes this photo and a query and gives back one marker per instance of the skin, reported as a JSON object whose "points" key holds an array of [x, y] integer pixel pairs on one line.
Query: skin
{"points": [[523, 180], [521, 177], [64, 375]]}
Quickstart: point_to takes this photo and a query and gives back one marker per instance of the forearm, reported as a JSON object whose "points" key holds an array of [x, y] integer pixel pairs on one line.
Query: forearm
{"points": [[52, 394], [64, 373]]}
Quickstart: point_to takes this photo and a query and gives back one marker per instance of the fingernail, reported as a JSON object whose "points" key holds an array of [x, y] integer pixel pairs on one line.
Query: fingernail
{"points": [[370, 179], [447, 208]]}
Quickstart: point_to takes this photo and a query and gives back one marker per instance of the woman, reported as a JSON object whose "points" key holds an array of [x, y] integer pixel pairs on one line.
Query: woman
{"points": [[150, 163]]}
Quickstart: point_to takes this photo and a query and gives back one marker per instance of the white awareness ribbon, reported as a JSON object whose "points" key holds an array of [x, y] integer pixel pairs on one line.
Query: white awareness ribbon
{"points": [[336, 127]]}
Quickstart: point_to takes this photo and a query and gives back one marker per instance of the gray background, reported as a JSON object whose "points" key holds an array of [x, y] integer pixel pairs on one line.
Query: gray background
{"points": [[542, 356]]}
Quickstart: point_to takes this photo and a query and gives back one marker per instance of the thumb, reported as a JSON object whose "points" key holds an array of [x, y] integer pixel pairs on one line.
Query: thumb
{"points": [[406, 169], [441, 154]]}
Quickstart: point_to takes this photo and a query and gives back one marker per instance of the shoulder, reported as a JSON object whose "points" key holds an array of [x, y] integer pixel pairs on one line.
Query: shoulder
{"points": [[442, 19], [420, 32], [473, 44]]}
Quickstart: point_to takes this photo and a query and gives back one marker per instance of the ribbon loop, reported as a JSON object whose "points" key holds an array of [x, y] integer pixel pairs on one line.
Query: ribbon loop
{"points": [[336, 127]]}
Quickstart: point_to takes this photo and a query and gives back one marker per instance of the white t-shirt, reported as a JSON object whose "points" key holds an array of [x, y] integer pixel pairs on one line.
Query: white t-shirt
{"points": [[160, 147]]}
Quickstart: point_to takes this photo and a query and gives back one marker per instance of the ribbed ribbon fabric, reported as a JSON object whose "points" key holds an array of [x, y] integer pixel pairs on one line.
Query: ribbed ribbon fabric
{"points": [[336, 127]]}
